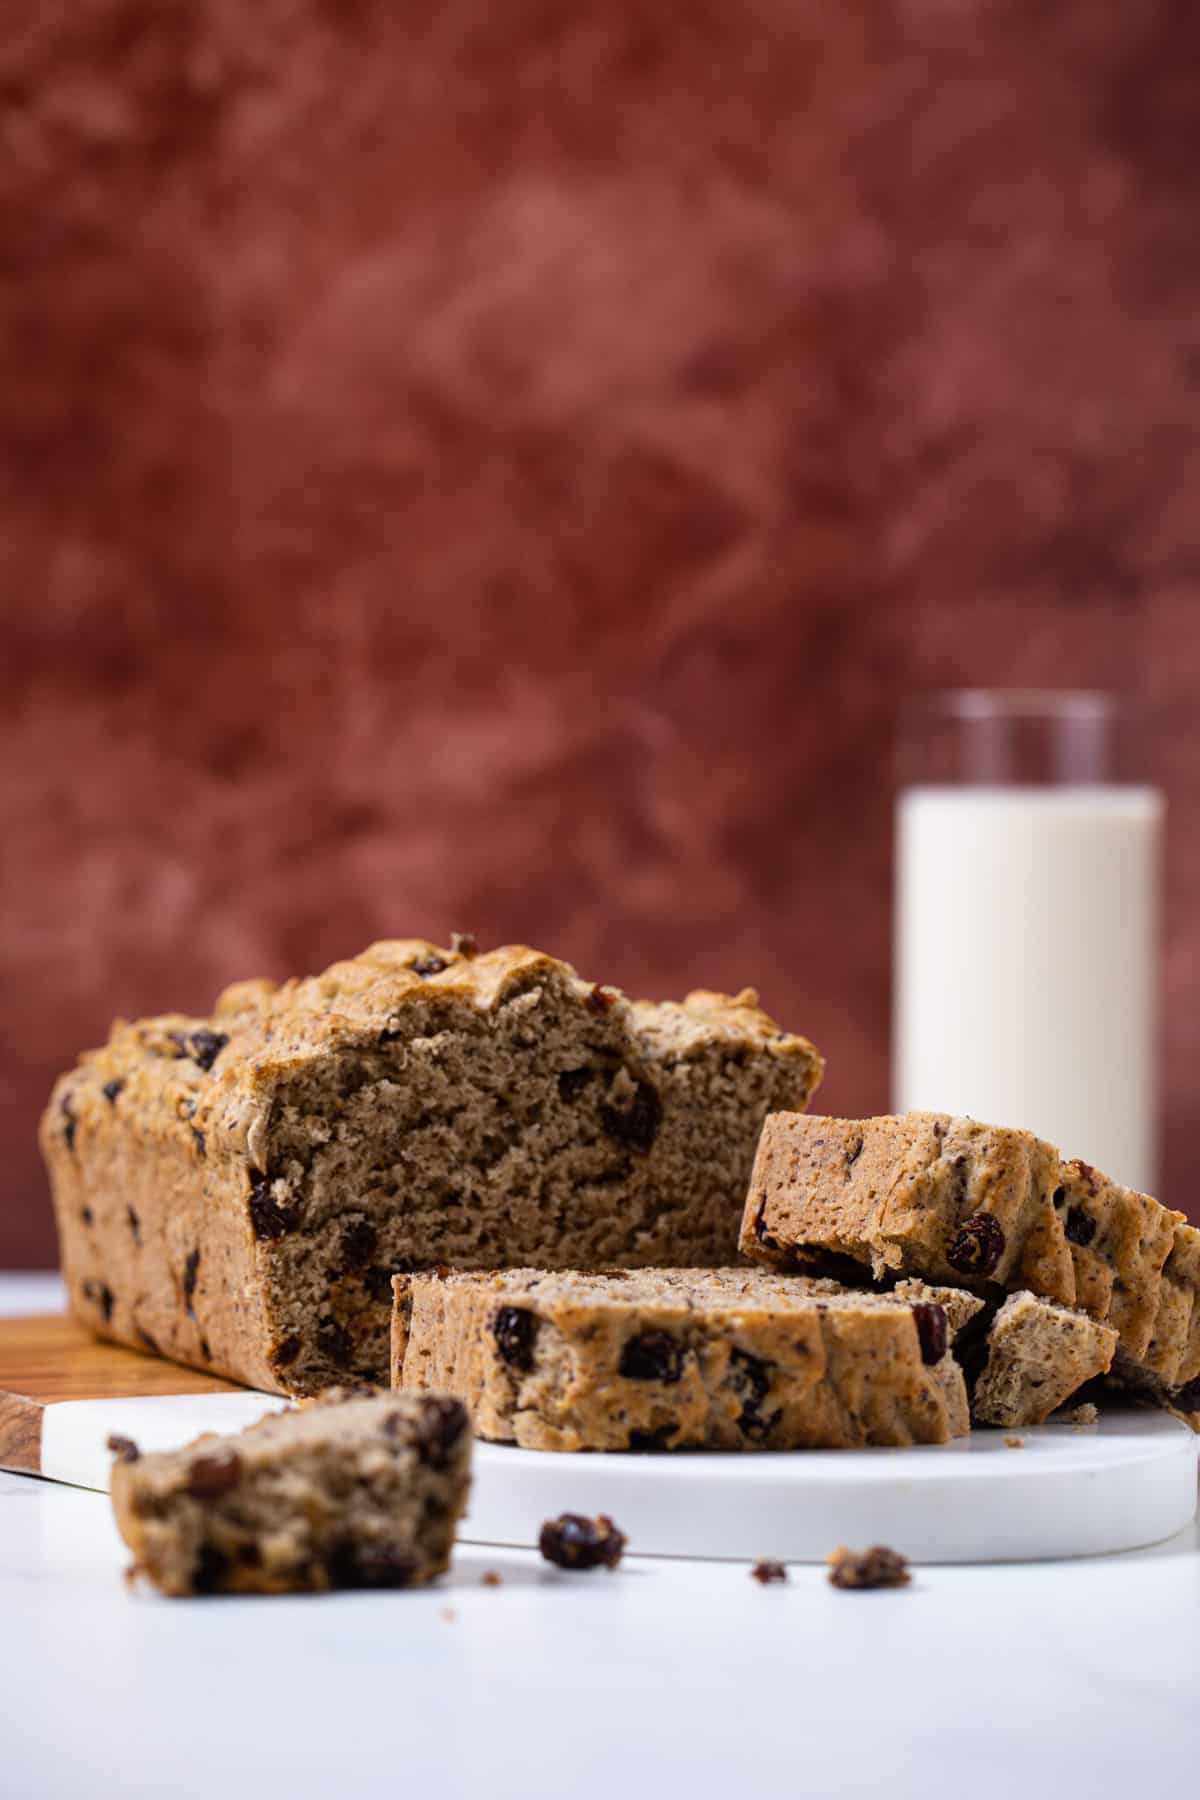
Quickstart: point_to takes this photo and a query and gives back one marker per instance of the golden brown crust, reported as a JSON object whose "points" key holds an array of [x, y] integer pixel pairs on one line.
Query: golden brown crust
{"points": [[1173, 1354], [1120, 1241], [150, 1194]]}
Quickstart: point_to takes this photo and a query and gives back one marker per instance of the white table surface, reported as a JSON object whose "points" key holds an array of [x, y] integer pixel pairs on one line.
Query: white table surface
{"points": [[1054, 1679]]}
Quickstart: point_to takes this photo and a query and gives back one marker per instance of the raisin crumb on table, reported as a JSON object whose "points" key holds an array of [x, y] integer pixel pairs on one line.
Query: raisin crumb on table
{"points": [[767, 1572], [574, 1542], [877, 1567]]}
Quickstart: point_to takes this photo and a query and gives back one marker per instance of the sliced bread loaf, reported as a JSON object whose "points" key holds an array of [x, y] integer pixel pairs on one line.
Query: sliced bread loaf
{"points": [[236, 1191]]}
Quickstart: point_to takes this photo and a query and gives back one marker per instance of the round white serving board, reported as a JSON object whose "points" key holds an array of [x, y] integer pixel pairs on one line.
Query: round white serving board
{"points": [[1068, 1491], [1129, 1480]]}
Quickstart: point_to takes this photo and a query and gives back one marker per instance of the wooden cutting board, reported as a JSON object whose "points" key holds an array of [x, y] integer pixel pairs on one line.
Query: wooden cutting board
{"points": [[47, 1360]]}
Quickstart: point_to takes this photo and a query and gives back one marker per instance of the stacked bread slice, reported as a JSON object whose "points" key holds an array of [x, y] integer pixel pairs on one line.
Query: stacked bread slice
{"points": [[996, 1211], [734, 1359]]}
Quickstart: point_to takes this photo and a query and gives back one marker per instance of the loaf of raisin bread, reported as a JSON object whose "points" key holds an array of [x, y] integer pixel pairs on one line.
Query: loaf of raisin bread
{"points": [[672, 1359], [236, 1191], [359, 1489], [954, 1200]]}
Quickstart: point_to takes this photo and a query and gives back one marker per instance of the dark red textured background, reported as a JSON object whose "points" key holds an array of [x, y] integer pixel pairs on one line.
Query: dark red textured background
{"points": [[498, 467]]}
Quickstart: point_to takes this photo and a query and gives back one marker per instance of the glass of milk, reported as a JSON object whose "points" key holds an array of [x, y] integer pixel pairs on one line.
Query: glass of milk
{"points": [[1026, 948]]}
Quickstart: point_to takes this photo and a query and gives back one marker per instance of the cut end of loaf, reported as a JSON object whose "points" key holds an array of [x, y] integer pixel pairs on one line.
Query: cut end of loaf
{"points": [[236, 1192]]}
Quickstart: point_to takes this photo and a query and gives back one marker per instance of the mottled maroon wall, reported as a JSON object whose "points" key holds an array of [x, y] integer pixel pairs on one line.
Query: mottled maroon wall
{"points": [[497, 467]]}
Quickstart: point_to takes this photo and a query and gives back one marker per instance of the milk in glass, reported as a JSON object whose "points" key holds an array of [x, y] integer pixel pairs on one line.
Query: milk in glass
{"points": [[1026, 943]]}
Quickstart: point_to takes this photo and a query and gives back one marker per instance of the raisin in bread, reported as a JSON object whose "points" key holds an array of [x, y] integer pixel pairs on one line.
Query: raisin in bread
{"points": [[236, 1191], [726, 1359], [954, 1200], [358, 1489]]}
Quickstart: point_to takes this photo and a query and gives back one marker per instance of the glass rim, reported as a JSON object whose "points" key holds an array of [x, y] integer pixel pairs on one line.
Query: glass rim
{"points": [[1051, 704]]}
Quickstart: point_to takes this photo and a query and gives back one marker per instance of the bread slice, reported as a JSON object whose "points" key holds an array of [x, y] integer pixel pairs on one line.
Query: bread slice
{"points": [[1038, 1355], [359, 1489], [949, 1200], [992, 1209], [727, 1359], [236, 1191]]}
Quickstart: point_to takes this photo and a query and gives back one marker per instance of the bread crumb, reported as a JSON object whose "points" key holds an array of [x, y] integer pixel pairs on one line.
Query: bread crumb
{"points": [[874, 1568], [1015, 1443], [449, 1614], [1086, 1414], [766, 1572], [491, 1578]]}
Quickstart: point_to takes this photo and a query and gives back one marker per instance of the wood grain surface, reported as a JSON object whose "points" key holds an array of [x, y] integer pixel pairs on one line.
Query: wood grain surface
{"points": [[50, 1357]]}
